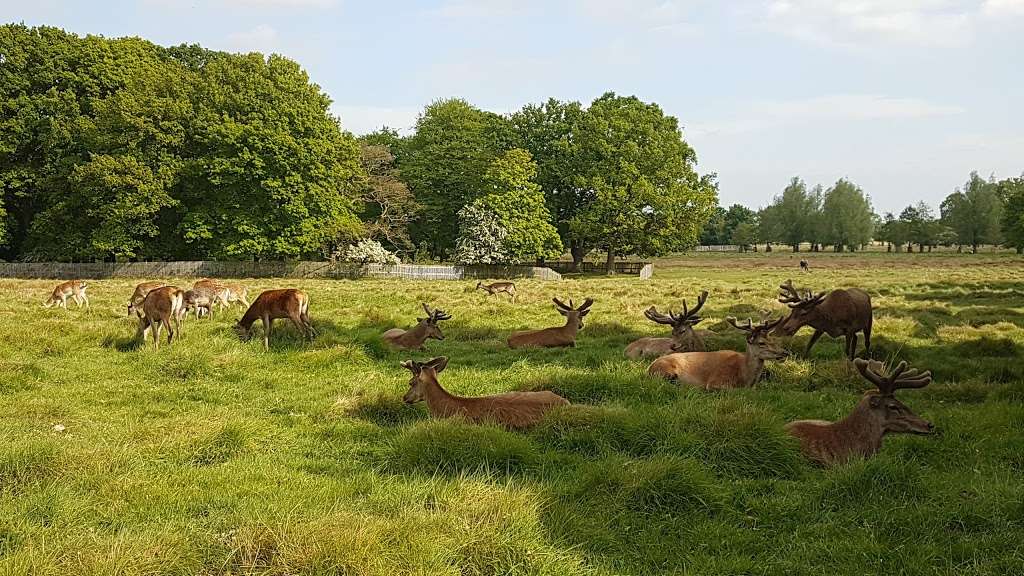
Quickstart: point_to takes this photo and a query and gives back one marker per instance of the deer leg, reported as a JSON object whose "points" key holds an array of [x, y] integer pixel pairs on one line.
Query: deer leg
{"points": [[867, 340], [814, 339], [852, 339], [156, 334], [309, 326], [297, 321], [266, 331], [64, 301], [170, 330], [86, 300]]}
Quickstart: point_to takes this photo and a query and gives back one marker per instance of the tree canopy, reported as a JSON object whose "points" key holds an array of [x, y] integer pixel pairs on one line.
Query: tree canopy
{"points": [[974, 212]]}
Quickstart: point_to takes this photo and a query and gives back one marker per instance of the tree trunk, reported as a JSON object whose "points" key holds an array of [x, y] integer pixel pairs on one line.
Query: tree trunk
{"points": [[888, 247], [768, 247], [796, 247], [1020, 249], [578, 254], [974, 248], [610, 263]]}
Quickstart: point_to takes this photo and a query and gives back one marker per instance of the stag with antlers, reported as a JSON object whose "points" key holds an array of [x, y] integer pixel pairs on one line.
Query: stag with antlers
{"points": [[415, 337], [554, 337], [725, 368], [878, 413], [837, 313], [684, 337]]}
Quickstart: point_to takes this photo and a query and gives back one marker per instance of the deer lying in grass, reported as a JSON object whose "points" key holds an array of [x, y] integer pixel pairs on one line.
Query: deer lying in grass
{"points": [[684, 337], [498, 288], [415, 337], [723, 369], [74, 289], [878, 413], [161, 307], [513, 409], [554, 337], [272, 304], [840, 313], [141, 290]]}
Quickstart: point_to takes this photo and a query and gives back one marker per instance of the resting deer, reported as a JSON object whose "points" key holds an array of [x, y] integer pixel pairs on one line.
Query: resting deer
{"points": [[74, 289], [725, 368], [272, 304], [498, 288], [878, 413], [161, 307], [135, 302], [554, 337], [513, 409], [415, 337], [684, 337], [840, 313]]}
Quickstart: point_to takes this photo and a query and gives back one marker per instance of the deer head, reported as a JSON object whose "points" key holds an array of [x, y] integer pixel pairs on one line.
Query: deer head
{"points": [[430, 322], [892, 415], [802, 308], [758, 344], [423, 374], [571, 313], [682, 324]]}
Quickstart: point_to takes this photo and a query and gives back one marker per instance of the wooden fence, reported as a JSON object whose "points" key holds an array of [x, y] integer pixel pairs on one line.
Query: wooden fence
{"points": [[302, 269], [718, 248], [628, 268]]}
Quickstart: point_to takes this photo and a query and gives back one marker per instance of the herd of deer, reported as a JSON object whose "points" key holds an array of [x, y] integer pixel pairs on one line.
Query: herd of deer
{"points": [[682, 358]]}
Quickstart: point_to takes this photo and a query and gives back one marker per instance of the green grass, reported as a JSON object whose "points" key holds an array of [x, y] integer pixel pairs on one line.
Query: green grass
{"points": [[214, 457]]}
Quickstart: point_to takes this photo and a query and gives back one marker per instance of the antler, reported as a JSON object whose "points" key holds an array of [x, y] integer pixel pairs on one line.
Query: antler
{"points": [[901, 377], [748, 328], [788, 294], [436, 314], [586, 304], [653, 315], [561, 304], [691, 315], [570, 307]]}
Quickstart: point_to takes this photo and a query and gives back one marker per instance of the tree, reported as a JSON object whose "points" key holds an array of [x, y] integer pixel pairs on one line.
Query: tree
{"points": [[518, 203], [444, 163], [1011, 190], [792, 217], [974, 213], [745, 234], [921, 226], [389, 204], [481, 237], [645, 196], [894, 231], [736, 214], [713, 233], [847, 216]]}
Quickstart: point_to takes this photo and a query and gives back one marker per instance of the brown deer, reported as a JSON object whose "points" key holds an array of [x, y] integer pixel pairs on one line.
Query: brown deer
{"points": [[840, 313], [272, 304], [161, 307], [512, 409], [723, 369], [415, 337], [200, 299], [684, 337], [214, 290], [236, 293], [878, 413], [135, 302], [554, 337], [498, 288], [74, 289]]}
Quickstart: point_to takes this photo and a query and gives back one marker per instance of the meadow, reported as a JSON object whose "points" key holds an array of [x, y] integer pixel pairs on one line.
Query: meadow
{"points": [[212, 456]]}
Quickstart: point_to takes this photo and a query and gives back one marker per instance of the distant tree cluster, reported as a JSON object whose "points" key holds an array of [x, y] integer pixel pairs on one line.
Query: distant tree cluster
{"points": [[981, 212]]}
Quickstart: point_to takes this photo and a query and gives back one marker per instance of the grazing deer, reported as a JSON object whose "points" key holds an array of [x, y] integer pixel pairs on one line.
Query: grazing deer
{"points": [[141, 290], [804, 266], [840, 313], [415, 337], [200, 300], [684, 337], [554, 337], [161, 307], [725, 368], [74, 289], [217, 292], [513, 409], [236, 293], [878, 413], [498, 288], [272, 304]]}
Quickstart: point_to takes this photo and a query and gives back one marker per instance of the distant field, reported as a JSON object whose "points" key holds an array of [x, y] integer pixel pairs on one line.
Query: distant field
{"points": [[213, 457]]}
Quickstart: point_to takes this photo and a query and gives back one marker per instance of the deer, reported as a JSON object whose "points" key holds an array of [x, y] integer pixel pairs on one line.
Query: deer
{"points": [[724, 369], [161, 307], [804, 266], [843, 312], [236, 293], [199, 300], [512, 409], [684, 337], [272, 304], [562, 336], [141, 290], [415, 337], [498, 288], [74, 289], [878, 414], [217, 292]]}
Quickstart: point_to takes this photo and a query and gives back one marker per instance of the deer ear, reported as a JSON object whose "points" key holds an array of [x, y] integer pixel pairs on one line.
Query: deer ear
{"points": [[439, 363]]}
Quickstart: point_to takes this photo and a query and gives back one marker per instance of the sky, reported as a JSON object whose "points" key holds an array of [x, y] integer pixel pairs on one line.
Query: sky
{"points": [[903, 97]]}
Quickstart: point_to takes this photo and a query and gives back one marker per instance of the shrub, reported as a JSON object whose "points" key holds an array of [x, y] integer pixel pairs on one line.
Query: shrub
{"points": [[370, 252]]}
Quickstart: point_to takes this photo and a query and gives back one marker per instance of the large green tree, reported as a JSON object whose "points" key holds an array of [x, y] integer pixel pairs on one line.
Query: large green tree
{"points": [[792, 217], [847, 216], [645, 196], [974, 213], [1011, 191]]}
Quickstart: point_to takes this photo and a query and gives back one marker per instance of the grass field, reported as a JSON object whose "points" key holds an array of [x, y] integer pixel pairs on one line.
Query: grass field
{"points": [[212, 456]]}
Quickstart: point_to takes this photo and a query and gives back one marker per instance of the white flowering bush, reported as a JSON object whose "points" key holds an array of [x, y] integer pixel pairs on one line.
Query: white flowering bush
{"points": [[481, 237], [370, 252]]}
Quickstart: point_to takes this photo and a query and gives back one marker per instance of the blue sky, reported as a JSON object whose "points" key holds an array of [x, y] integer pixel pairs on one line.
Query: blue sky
{"points": [[904, 97]]}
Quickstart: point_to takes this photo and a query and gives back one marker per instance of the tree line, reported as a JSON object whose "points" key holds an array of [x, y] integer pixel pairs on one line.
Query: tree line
{"points": [[979, 212], [121, 149]]}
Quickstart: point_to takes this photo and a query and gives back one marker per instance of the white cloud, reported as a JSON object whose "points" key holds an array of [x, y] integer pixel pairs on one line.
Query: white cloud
{"points": [[643, 14], [364, 119], [282, 3], [770, 114], [998, 8], [263, 38]]}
